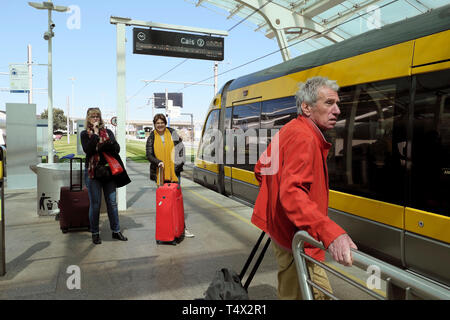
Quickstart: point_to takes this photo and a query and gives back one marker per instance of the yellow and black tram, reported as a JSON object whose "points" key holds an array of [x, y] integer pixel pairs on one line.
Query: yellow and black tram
{"points": [[389, 166]]}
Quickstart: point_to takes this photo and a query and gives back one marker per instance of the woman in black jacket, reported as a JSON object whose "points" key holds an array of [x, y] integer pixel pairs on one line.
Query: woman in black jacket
{"points": [[160, 145], [95, 140]]}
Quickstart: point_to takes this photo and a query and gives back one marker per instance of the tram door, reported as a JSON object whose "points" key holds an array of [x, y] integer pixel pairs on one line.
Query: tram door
{"points": [[427, 217]]}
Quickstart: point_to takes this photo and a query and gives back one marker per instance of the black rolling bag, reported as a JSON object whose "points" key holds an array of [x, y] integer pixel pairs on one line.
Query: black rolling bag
{"points": [[74, 204], [227, 284]]}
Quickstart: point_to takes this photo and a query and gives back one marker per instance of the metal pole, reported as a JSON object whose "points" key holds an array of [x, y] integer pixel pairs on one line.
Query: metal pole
{"points": [[121, 108], [166, 109], [2, 212], [30, 76], [68, 121], [192, 138], [216, 65], [153, 109], [50, 92], [73, 99]]}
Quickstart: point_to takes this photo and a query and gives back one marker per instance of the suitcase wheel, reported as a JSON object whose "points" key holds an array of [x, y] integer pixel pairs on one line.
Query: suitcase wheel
{"points": [[64, 230], [173, 242]]}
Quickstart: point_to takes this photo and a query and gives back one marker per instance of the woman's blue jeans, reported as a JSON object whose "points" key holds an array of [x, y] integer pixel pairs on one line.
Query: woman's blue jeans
{"points": [[95, 200]]}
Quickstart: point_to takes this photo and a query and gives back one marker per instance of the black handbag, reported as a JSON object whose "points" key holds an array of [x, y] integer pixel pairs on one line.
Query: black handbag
{"points": [[102, 172]]}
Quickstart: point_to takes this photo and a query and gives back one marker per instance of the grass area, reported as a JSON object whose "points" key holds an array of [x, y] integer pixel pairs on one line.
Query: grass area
{"points": [[63, 148], [135, 148]]}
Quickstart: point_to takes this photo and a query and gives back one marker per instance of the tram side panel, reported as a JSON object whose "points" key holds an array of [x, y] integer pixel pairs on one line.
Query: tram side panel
{"points": [[390, 161]]}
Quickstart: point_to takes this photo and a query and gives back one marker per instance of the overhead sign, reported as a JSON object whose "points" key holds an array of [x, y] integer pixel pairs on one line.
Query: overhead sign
{"points": [[177, 44], [18, 78], [160, 99]]}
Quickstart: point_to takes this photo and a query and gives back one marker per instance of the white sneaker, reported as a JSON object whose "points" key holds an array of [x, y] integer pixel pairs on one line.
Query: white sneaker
{"points": [[187, 234]]}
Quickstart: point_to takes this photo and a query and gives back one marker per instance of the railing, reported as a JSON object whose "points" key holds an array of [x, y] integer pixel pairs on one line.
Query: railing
{"points": [[413, 285]]}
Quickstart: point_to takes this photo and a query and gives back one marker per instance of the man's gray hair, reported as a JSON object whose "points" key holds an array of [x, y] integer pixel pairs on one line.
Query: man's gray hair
{"points": [[308, 91]]}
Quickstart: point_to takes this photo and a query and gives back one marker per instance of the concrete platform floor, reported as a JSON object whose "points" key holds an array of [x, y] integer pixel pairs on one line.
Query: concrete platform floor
{"points": [[38, 254], [40, 258]]}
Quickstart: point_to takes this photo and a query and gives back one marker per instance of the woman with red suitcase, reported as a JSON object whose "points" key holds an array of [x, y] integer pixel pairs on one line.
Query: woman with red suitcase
{"points": [[96, 140], [160, 146]]}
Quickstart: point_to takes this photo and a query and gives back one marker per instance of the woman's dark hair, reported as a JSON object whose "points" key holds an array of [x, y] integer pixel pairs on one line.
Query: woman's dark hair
{"points": [[159, 116]]}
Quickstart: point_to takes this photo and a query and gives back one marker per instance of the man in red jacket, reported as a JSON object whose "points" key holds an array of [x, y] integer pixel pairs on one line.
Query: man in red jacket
{"points": [[293, 194]]}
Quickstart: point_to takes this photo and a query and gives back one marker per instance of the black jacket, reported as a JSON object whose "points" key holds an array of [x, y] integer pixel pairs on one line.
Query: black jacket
{"points": [[90, 148], [179, 153]]}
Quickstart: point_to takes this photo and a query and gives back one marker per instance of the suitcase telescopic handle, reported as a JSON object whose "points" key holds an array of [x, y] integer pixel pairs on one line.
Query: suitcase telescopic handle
{"points": [[72, 186], [161, 176]]}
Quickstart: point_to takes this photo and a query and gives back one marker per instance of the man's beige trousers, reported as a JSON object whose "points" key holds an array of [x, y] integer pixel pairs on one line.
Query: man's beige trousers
{"points": [[288, 287]]}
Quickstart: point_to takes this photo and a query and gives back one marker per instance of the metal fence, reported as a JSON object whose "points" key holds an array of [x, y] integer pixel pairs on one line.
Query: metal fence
{"points": [[414, 286]]}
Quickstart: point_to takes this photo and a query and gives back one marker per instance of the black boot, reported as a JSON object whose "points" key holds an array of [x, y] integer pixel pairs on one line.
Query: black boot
{"points": [[119, 236], [96, 239]]}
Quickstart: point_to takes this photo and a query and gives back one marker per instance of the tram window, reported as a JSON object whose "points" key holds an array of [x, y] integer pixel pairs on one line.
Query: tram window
{"points": [[245, 125], [276, 113], [367, 142], [430, 170], [227, 124], [207, 150]]}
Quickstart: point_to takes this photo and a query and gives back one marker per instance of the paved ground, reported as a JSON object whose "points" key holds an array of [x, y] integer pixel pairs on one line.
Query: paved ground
{"points": [[40, 259]]}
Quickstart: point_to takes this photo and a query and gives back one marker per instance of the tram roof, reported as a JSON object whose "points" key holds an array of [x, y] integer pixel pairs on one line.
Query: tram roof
{"points": [[315, 24], [429, 23]]}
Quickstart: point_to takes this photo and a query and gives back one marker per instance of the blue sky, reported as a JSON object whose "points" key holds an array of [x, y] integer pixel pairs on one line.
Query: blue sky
{"points": [[89, 54]]}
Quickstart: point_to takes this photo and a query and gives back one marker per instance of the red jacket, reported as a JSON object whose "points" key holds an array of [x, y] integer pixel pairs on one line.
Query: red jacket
{"points": [[294, 187]]}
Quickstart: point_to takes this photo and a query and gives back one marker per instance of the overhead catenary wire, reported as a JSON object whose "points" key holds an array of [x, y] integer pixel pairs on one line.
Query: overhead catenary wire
{"points": [[159, 77], [288, 46], [261, 57]]}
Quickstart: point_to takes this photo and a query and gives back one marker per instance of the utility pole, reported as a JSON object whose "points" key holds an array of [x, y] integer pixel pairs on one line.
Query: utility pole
{"points": [[30, 75], [48, 35], [73, 104], [166, 109], [68, 121], [216, 65]]}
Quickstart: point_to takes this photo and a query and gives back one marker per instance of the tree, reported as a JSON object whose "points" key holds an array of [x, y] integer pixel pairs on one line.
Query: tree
{"points": [[59, 119]]}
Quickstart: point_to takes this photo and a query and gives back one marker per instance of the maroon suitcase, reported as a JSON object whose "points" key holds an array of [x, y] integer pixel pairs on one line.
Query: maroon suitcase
{"points": [[74, 204], [169, 214]]}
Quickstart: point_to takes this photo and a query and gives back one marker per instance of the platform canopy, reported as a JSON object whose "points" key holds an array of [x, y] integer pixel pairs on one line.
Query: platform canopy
{"points": [[301, 26]]}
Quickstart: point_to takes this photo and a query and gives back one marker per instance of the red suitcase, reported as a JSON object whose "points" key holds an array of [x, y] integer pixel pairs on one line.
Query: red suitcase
{"points": [[74, 204], [169, 214]]}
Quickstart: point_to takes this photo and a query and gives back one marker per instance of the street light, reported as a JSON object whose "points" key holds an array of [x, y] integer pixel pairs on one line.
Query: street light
{"points": [[48, 35], [73, 105]]}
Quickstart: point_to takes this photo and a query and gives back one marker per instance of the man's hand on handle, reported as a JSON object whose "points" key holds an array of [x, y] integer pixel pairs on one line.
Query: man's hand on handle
{"points": [[340, 250]]}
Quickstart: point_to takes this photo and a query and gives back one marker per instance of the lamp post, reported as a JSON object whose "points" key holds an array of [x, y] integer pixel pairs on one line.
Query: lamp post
{"points": [[48, 35], [73, 105]]}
